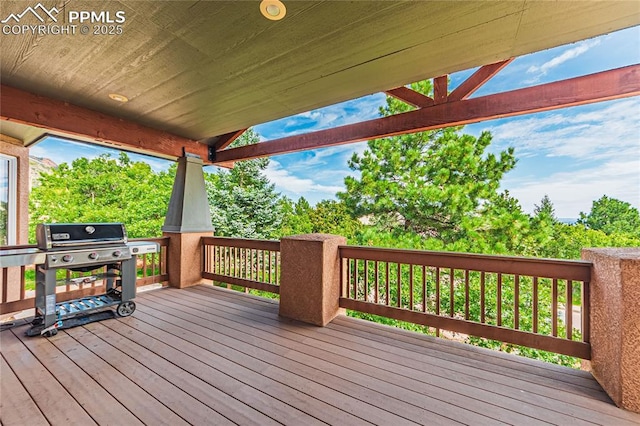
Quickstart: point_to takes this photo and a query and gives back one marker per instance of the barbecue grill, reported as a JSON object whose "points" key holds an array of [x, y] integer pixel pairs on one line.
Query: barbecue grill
{"points": [[85, 247]]}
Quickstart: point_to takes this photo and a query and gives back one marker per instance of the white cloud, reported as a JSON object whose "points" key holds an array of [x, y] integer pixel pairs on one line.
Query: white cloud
{"points": [[568, 54], [605, 133], [349, 112], [573, 192], [297, 186]]}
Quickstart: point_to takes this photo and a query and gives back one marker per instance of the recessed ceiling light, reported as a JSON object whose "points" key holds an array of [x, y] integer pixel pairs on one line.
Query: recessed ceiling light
{"points": [[119, 98], [273, 9]]}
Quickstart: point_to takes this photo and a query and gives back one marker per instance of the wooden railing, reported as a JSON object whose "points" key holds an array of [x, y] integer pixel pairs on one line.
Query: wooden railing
{"points": [[528, 302], [242, 262], [18, 283], [152, 268]]}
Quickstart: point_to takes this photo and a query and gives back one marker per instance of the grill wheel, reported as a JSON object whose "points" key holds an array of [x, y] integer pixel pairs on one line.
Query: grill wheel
{"points": [[126, 308]]}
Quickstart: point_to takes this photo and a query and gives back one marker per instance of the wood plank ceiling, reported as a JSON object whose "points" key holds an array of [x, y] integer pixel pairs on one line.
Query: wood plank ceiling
{"points": [[202, 69]]}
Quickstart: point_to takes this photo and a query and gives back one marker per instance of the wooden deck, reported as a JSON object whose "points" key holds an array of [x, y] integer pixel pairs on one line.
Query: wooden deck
{"points": [[211, 356]]}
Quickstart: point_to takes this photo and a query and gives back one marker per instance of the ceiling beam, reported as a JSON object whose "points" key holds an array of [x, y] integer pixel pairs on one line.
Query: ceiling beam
{"points": [[476, 80], [607, 85], [61, 117], [410, 97], [440, 89], [223, 141]]}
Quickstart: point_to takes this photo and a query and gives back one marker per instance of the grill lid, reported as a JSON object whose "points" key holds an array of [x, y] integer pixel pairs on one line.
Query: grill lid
{"points": [[65, 235]]}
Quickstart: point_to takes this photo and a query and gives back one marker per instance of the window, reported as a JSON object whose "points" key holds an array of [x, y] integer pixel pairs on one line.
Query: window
{"points": [[8, 201]]}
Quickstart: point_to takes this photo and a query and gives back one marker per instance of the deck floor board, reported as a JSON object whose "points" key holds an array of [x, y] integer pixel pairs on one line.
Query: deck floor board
{"points": [[206, 355]]}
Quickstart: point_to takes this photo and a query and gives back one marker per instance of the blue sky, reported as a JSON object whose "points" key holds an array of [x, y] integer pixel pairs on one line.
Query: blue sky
{"points": [[574, 155]]}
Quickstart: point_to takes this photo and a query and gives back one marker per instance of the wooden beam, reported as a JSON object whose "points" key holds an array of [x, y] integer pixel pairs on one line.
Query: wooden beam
{"points": [[10, 140], [223, 141], [440, 89], [39, 111], [410, 96], [477, 79], [614, 84]]}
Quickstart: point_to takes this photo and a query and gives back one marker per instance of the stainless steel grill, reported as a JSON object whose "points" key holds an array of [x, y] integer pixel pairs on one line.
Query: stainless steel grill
{"points": [[85, 247]]}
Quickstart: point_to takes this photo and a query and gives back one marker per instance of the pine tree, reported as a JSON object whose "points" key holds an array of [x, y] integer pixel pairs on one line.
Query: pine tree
{"points": [[243, 202], [428, 182]]}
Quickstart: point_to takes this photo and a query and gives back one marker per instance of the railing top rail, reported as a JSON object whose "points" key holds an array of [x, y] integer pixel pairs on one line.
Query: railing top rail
{"points": [[163, 241], [549, 268], [19, 246], [273, 245]]}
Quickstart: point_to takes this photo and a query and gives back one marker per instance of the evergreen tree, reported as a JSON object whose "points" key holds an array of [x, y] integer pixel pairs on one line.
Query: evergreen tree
{"points": [[242, 200], [610, 215], [429, 182], [295, 217]]}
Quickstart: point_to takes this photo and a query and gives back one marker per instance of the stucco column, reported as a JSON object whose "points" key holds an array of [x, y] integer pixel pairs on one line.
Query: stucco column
{"points": [[310, 277], [188, 219], [615, 323]]}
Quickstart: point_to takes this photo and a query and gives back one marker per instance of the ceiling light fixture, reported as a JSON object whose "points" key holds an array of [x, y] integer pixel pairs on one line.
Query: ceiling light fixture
{"points": [[273, 9], [119, 98]]}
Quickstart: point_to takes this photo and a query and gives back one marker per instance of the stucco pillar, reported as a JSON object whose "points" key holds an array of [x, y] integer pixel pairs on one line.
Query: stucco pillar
{"points": [[615, 323], [188, 219], [310, 277]]}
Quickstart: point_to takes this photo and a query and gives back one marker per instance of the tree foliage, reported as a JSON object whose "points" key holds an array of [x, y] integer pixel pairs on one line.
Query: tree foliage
{"points": [[295, 217], [610, 215], [327, 217], [429, 182], [103, 189], [242, 200]]}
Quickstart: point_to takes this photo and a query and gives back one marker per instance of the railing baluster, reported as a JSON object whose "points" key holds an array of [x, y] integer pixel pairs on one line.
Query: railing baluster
{"points": [[535, 304], [22, 282], [554, 308], [516, 302], [387, 285], [466, 294], [5, 284], [399, 285], [437, 291], [499, 300], [482, 297], [366, 280], [568, 311], [355, 279], [424, 289], [411, 286], [377, 284], [247, 263], [451, 293], [254, 260], [144, 265]]}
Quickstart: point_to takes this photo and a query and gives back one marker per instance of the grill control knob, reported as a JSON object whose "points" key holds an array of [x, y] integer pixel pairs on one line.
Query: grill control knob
{"points": [[93, 255], [67, 258], [117, 253]]}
